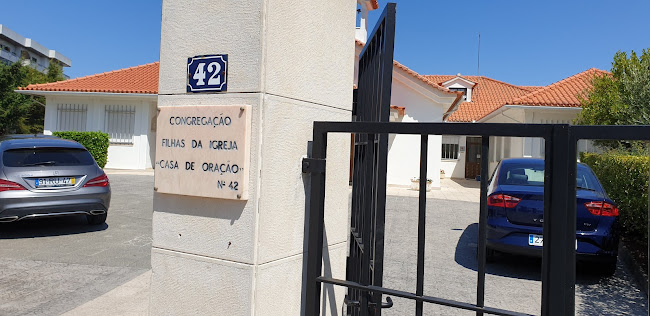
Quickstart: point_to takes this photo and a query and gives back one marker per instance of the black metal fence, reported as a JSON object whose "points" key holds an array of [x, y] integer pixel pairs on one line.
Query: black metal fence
{"points": [[558, 261]]}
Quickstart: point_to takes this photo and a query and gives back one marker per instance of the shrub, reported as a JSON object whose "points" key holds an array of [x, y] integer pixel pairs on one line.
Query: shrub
{"points": [[95, 142], [625, 179]]}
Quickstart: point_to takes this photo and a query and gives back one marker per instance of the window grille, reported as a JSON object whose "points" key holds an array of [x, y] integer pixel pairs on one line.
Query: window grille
{"points": [[71, 117], [119, 123], [450, 147]]}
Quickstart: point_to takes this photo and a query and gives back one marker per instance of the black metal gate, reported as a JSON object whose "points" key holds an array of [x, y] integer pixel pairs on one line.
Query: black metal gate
{"points": [[365, 265], [371, 129]]}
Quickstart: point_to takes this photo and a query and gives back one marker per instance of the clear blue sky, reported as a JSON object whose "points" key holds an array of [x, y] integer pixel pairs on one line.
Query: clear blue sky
{"points": [[522, 42]]}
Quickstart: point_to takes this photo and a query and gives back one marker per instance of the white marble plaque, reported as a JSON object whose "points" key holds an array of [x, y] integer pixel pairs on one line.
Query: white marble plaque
{"points": [[203, 151]]}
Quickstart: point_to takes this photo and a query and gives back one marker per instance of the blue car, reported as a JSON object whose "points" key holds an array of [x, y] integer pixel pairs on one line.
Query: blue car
{"points": [[516, 214]]}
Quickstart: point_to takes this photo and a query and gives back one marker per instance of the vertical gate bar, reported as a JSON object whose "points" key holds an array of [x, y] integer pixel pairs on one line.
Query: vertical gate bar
{"points": [[482, 223], [315, 232], [558, 260], [422, 220], [386, 50], [571, 218], [380, 219], [367, 221]]}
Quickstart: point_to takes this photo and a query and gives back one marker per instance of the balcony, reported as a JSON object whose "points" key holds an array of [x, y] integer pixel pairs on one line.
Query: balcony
{"points": [[8, 56]]}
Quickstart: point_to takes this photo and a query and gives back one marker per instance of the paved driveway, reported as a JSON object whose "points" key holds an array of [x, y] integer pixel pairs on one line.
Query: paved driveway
{"points": [[50, 266], [512, 283]]}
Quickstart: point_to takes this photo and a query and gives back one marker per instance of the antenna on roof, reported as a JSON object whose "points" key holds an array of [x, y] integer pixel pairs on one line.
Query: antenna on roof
{"points": [[478, 63]]}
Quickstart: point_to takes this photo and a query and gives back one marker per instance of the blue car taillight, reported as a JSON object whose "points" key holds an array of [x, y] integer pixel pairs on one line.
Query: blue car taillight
{"points": [[600, 208], [503, 200]]}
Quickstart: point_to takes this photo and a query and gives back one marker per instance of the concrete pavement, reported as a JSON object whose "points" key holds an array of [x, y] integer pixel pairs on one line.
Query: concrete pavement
{"points": [[450, 189], [129, 299], [50, 266], [512, 283]]}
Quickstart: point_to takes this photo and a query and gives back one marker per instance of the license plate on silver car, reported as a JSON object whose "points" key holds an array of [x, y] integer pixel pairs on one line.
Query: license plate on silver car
{"points": [[54, 182]]}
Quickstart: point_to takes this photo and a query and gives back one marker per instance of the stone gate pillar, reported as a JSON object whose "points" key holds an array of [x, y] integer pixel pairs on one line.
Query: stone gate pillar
{"points": [[290, 63]]}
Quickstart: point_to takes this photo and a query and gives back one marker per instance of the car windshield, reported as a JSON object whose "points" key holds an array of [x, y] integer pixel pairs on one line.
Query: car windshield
{"points": [[27, 157], [533, 175]]}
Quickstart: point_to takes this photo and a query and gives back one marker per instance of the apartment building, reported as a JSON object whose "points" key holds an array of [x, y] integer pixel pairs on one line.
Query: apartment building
{"points": [[13, 46]]}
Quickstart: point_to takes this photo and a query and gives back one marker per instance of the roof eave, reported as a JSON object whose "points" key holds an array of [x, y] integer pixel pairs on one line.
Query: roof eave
{"points": [[543, 107], [505, 107], [45, 93], [422, 87], [459, 78]]}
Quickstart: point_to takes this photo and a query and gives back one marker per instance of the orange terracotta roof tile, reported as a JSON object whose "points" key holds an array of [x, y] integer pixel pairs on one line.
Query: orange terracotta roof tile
{"points": [[424, 79], [400, 109], [139, 79], [563, 93], [531, 88], [487, 95]]}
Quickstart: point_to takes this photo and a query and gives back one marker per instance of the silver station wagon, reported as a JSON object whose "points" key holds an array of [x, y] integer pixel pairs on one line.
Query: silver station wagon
{"points": [[44, 176]]}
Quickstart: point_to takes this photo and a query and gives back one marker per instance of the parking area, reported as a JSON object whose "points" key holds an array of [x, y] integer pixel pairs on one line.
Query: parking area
{"points": [[513, 282], [50, 266]]}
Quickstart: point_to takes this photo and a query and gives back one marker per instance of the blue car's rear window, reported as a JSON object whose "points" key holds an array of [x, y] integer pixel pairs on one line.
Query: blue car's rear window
{"points": [[527, 174], [47, 157]]}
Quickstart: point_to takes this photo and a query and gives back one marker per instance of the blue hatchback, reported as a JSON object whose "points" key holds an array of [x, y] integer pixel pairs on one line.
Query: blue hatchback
{"points": [[516, 213]]}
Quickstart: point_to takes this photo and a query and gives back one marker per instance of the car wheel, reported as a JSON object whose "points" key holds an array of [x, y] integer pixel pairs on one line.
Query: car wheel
{"points": [[490, 254], [607, 268], [96, 219]]}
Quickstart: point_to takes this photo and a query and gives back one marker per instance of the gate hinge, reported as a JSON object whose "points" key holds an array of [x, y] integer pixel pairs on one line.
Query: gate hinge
{"points": [[313, 165]]}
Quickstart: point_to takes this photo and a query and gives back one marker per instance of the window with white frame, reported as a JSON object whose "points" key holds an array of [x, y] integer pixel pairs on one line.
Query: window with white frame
{"points": [[450, 146], [463, 90], [119, 123], [71, 117]]}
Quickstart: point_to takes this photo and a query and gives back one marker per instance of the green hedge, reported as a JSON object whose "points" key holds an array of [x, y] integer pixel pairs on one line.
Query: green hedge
{"points": [[625, 179], [95, 142]]}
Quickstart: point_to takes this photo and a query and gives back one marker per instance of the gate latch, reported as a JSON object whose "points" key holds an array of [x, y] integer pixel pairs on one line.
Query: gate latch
{"points": [[388, 304], [313, 165]]}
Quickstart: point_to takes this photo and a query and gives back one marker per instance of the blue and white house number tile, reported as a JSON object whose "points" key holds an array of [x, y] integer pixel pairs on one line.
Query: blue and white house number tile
{"points": [[207, 73]]}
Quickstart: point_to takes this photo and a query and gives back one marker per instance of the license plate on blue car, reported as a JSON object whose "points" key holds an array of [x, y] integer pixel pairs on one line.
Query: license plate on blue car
{"points": [[536, 240]]}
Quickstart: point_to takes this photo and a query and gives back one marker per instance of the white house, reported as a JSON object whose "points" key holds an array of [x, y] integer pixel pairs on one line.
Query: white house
{"points": [[493, 101], [413, 99], [121, 103]]}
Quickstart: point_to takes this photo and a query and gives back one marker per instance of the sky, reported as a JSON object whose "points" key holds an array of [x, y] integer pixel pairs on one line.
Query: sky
{"points": [[522, 42], [98, 36]]}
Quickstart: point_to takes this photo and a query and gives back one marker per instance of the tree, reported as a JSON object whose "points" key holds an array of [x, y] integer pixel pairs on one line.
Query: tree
{"points": [[21, 113], [622, 98]]}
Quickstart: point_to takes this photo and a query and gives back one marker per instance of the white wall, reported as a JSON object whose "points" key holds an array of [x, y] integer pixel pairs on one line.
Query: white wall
{"points": [[455, 168], [404, 150], [526, 146], [134, 156]]}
